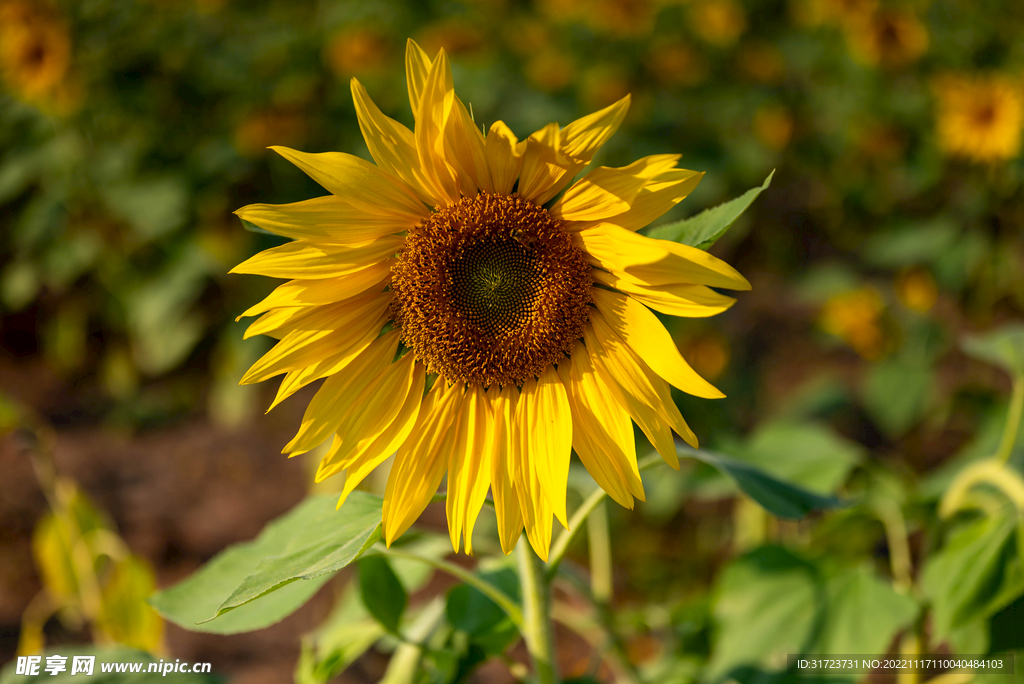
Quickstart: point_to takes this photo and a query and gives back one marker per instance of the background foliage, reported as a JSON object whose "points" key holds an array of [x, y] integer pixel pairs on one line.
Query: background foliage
{"points": [[864, 363]]}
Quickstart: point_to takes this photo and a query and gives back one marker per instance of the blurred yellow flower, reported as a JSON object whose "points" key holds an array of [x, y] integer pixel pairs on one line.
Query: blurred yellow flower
{"points": [[677, 64], [773, 126], [35, 51], [562, 11], [526, 35], [454, 314], [602, 84], [762, 62], [979, 117], [259, 130], [357, 51], [891, 38], [836, 12], [916, 289], [880, 141], [456, 36], [719, 22], [708, 353], [855, 316], [622, 17], [550, 69]]}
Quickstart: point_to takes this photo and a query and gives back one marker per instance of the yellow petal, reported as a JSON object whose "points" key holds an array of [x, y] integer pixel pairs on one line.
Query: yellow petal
{"points": [[375, 451], [691, 301], [421, 461], [653, 165], [644, 333], [469, 466], [336, 399], [543, 423], [506, 503], [638, 389], [358, 181], [417, 66], [584, 137], [464, 147], [504, 157], [391, 144], [546, 169], [662, 192], [602, 431], [601, 193], [656, 262], [534, 505], [280, 322], [329, 219], [301, 259], [303, 293], [321, 338], [435, 107], [382, 402]]}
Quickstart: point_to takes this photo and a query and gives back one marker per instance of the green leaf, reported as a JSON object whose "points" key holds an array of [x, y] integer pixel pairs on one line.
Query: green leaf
{"points": [[112, 655], [153, 207], [1003, 347], [704, 229], [912, 245], [337, 643], [310, 542], [765, 608], [863, 613], [382, 593], [780, 498], [804, 453], [471, 611], [897, 394], [976, 574]]}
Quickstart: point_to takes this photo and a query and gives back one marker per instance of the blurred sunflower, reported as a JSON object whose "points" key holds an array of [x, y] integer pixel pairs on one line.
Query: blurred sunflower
{"points": [[35, 51], [979, 117], [892, 38], [450, 267]]}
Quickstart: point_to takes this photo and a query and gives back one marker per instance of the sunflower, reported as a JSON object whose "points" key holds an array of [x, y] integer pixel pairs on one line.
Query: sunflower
{"points": [[979, 117], [35, 51], [468, 320]]}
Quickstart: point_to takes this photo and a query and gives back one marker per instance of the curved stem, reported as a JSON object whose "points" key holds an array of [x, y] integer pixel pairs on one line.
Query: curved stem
{"points": [[1013, 416], [537, 629], [506, 604]]}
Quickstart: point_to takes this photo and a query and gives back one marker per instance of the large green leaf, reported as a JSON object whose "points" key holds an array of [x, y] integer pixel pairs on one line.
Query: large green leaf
{"points": [[765, 608], [1003, 347], [780, 498], [343, 637], [804, 453], [112, 657], [897, 393], [382, 593], [471, 611], [704, 229], [977, 573], [309, 543], [863, 613]]}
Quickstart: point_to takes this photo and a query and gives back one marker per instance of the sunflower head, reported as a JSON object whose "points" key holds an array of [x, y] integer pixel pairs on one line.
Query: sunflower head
{"points": [[979, 117], [35, 51], [890, 38], [474, 311]]}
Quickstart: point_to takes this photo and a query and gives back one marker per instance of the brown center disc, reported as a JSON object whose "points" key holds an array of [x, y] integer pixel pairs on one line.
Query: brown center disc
{"points": [[490, 290]]}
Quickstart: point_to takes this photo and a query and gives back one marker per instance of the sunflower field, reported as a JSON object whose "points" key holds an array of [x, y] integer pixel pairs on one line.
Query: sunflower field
{"points": [[634, 341]]}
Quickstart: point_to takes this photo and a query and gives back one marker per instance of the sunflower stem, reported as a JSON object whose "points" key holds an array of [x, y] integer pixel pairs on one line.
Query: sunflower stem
{"points": [[537, 627]]}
